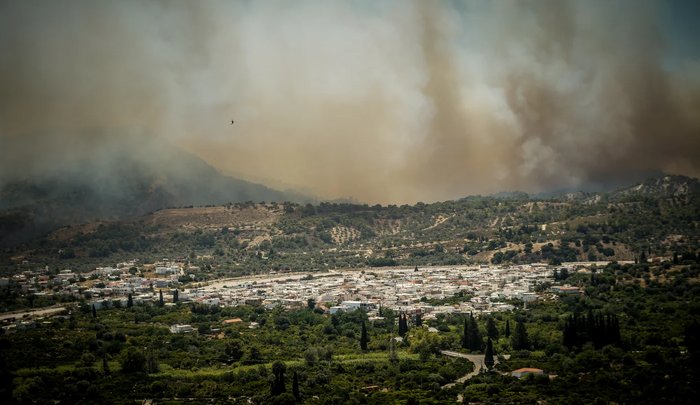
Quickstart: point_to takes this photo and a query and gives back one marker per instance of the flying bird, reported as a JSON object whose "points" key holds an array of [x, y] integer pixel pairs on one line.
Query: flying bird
{"points": [[231, 122]]}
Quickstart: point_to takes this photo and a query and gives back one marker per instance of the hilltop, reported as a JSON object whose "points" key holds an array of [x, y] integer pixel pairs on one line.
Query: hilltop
{"points": [[124, 186], [658, 217]]}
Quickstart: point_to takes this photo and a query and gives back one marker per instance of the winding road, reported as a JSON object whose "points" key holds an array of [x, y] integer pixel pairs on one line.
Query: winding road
{"points": [[477, 359]]}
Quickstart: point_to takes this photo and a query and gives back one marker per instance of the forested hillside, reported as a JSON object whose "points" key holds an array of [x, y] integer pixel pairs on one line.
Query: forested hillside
{"points": [[653, 221]]}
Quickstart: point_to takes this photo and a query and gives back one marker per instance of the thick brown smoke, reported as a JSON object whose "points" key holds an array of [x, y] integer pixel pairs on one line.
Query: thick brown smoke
{"points": [[387, 102]]}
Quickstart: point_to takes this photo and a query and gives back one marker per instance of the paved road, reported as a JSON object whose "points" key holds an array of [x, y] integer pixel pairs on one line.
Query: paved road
{"points": [[477, 359], [36, 312]]}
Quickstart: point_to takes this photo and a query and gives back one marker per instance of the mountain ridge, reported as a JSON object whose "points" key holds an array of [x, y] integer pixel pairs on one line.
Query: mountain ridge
{"points": [[126, 186]]}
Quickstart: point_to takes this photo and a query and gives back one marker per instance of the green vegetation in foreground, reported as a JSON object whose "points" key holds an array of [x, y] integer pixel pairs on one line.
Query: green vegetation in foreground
{"points": [[126, 355]]}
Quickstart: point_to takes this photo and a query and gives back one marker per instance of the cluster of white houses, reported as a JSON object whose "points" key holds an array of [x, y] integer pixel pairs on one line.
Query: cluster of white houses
{"points": [[409, 290]]}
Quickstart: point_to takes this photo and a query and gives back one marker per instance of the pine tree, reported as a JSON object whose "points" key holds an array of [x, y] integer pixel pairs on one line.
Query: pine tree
{"points": [[488, 357], [130, 301], [295, 387], [94, 311], [507, 331], [160, 298], [363, 337]]}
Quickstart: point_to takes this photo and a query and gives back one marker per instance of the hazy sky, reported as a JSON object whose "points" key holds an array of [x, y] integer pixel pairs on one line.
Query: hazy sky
{"points": [[383, 101]]}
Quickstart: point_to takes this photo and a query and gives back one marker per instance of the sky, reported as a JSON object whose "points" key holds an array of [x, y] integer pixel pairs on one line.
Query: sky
{"points": [[379, 101]]}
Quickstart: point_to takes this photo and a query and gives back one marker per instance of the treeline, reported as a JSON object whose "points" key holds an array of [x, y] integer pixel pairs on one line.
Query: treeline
{"points": [[599, 329]]}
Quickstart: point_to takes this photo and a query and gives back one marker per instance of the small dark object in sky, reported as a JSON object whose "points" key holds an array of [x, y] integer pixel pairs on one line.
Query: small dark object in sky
{"points": [[231, 122]]}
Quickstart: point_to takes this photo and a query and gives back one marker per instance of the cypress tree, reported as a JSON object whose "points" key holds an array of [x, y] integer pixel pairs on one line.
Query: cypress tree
{"points": [[570, 336], [94, 311], [419, 320], [475, 341], [130, 301], [465, 335], [363, 337], [488, 357], [491, 329], [520, 340], [105, 364], [295, 387], [507, 331], [160, 298], [176, 295], [403, 325], [278, 369], [615, 331]]}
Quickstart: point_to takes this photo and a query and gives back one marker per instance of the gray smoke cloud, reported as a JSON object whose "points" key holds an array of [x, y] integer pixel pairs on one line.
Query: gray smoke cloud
{"points": [[386, 102]]}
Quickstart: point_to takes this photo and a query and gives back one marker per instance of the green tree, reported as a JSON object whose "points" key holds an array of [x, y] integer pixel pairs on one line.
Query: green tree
{"points": [[253, 356], [278, 369], [491, 329], [152, 365], [465, 335], [87, 359], [520, 341], [295, 387], [393, 356], [105, 364], [507, 331], [311, 303], [176, 295], [475, 340], [94, 311], [403, 325], [363, 337], [130, 301], [488, 358], [160, 298], [233, 351], [133, 361]]}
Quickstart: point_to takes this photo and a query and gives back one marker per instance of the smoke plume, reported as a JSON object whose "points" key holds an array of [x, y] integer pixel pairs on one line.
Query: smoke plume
{"points": [[385, 102]]}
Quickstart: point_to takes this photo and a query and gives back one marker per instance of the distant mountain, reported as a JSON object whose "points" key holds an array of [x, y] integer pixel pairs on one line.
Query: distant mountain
{"points": [[121, 186]]}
